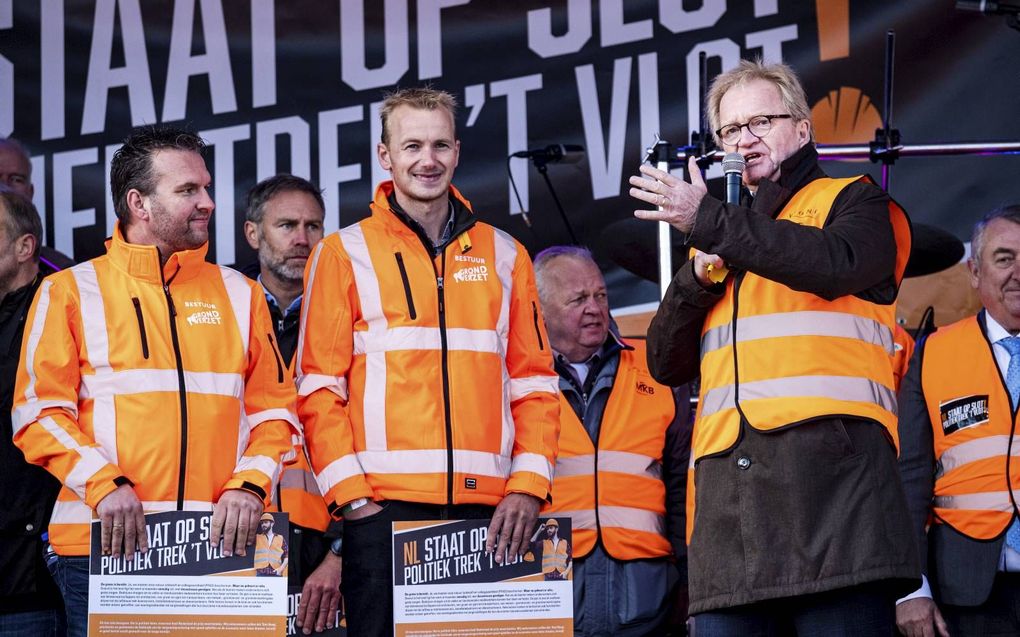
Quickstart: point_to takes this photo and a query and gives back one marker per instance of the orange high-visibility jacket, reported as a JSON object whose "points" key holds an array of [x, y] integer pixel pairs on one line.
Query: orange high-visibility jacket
{"points": [[799, 356], [420, 379], [616, 493], [297, 492], [167, 377], [973, 422]]}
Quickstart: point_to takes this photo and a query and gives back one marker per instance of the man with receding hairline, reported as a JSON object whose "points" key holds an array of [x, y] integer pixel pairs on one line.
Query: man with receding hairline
{"points": [[425, 383], [959, 416]]}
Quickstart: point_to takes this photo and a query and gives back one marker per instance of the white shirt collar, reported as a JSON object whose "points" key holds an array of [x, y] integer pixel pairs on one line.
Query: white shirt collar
{"points": [[994, 330]]}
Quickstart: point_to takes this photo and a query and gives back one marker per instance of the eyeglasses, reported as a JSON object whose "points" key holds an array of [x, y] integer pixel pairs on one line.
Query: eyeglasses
{"points": [[759, 126]]}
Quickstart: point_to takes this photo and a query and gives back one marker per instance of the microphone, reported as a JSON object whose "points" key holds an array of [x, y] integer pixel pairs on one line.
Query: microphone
{"points": [[990, 8], [733, 167], [553, 153]]}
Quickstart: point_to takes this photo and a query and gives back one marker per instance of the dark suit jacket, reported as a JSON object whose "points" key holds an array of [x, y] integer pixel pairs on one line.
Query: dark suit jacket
{"points": [[961, 570]]}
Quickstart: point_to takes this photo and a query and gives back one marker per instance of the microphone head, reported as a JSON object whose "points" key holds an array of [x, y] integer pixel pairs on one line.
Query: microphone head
{"points": [[570, 153], [733, 163]]}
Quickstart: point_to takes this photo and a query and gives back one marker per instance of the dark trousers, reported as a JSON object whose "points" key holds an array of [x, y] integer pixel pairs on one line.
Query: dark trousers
{"points": [[72, 577], [859, 611], [999, 615], [367, 577]]}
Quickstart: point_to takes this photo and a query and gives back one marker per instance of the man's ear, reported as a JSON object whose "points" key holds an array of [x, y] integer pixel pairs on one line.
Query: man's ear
{"points": [[383, 154], [24, 247], [136, 205], [972, 269], [252, 234]]}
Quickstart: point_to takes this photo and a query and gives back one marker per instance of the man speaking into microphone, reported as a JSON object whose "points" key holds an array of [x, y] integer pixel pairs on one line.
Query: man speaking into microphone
{"points": [[798, 524]]}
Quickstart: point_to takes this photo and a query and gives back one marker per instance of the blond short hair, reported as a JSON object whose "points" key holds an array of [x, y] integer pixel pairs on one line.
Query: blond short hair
{"points": [[780, 75], [424, 98]]}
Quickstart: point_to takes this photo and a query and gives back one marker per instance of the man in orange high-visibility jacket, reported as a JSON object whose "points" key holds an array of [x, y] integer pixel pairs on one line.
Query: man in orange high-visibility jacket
{"points": [[425, 382], [959, 421], [283, 221], [149, 380], [794, 493], [555, 551], [621, 468]]}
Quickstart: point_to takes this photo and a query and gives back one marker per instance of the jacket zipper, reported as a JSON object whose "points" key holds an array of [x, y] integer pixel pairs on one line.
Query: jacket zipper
{"points": [[407, 285], [538, 332], [444, 346], [276, 355], [182, 393], [141, 327]]}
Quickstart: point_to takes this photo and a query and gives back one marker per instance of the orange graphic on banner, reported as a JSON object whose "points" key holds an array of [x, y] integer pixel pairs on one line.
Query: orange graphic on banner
{"points": [[833, 29], [184, 625], [516, 628], [846, 116]]}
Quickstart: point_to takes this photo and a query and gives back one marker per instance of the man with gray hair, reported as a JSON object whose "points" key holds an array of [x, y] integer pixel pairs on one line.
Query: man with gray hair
{"points": [[621, 472], [786, 311], [283, 221], [958, 460], [30, 603], [16, 175]]}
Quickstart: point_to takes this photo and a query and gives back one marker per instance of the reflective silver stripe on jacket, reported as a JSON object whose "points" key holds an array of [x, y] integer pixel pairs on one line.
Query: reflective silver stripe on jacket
{"points": [[807, 323], [616, 461], [988, 501], [974, 450], [842, 388]]}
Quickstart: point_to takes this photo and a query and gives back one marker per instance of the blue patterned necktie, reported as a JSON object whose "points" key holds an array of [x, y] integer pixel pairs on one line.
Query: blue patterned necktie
{"points": [[1012, 345]]}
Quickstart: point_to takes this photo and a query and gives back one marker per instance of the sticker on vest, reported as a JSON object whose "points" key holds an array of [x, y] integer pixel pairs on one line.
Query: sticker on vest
{"points": [[470, 483], [961, 413], [203, 313]]}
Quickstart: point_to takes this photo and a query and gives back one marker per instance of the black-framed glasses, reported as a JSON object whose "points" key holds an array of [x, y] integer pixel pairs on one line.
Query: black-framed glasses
{"points": [[759, 126]]}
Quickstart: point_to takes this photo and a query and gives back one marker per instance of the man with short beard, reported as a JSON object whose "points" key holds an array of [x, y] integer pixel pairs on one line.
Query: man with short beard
{"points": [[283, 220], [147, 383]]}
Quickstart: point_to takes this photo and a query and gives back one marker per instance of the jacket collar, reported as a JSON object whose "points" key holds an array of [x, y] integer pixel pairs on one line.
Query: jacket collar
{"points": [[142, 261], [386, 210], [798, 170]]}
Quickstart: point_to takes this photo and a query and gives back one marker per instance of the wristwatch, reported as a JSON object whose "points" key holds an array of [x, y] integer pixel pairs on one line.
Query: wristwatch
{"points": [[337, 546]]}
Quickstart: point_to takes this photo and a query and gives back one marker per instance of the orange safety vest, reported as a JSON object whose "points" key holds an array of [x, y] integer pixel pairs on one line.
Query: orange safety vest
{"points": [[554, 560], [798, 355], [975, 432], [298, 494], [268, 554], [425, 379], [177, 387], [616, 493]]}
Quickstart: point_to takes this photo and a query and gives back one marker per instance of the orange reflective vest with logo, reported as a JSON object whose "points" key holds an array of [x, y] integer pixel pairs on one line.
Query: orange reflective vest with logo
{"points": [[973, 423], [268, 554], [554, 558], [425, 379], [798, 356], [615, 492], [168, 377]]}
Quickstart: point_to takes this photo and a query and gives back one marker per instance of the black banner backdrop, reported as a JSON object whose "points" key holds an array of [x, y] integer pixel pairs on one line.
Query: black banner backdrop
{"points": [[295, 86]]}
